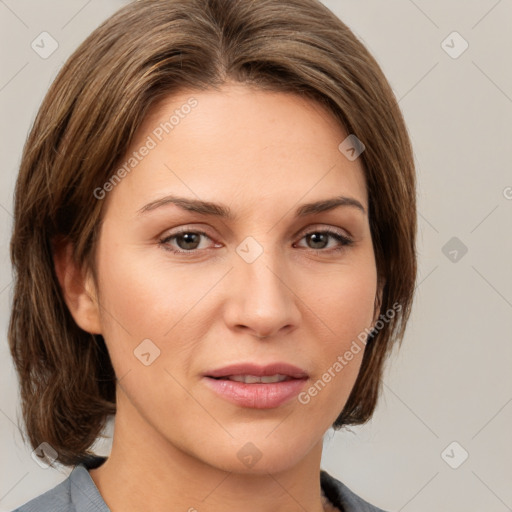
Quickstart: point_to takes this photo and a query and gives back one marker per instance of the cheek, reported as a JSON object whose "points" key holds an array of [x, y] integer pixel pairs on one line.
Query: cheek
{"points": [[144, 297], [131, 306], [352, 311], [342, 304], [344, 300]]}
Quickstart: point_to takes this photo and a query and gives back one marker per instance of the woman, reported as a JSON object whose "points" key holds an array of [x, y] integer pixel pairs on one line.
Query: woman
{"points": [[214, 240]]}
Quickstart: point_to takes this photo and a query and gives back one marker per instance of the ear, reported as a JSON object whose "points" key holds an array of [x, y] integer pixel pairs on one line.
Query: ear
{"points": [[77, 287]]}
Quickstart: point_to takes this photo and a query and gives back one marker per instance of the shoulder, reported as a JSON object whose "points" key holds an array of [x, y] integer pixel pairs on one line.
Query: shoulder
{"points": [[57, 499], [77, 493], [342, 497]]}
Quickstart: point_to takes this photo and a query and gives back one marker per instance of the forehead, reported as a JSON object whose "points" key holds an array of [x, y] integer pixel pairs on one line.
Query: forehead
{"points": [[239, 142]]}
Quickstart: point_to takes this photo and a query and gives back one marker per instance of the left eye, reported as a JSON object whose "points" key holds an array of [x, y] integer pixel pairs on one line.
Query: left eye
{"points": [[321, 238], [188, 241]]}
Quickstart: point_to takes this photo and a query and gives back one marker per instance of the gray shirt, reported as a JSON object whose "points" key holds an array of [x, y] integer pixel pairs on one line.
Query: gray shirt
{"points": [[78, 493]]}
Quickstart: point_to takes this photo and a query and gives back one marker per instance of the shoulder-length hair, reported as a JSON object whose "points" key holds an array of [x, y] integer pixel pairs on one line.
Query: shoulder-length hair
{"points": [[143, 53]]}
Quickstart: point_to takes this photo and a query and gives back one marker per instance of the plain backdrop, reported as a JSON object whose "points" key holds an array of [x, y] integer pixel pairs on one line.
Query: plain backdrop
{"points": [[440, 438]]}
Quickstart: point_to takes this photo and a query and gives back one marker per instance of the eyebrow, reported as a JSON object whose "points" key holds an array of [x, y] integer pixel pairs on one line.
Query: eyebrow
{"points": [[223, 211]]}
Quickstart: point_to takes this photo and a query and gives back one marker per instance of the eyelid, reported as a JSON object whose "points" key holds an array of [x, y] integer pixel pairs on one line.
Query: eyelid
{"points": [[185, 229], [324, 227]]}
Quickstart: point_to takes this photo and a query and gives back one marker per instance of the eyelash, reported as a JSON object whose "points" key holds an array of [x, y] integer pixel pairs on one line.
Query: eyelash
{"points": [[342, 239]]}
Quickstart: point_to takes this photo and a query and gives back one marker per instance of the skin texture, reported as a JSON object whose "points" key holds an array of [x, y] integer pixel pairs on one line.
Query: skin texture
{"points": [[262, 154]]}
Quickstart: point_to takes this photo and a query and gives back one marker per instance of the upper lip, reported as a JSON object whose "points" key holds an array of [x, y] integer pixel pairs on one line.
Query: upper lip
{"points": [[258, 370]]}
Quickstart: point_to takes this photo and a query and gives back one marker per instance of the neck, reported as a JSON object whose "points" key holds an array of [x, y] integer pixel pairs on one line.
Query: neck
{"points": [[141, 459]]}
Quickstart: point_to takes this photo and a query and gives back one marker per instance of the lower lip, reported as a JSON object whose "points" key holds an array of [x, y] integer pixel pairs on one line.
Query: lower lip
{"points": [[256, 396]]}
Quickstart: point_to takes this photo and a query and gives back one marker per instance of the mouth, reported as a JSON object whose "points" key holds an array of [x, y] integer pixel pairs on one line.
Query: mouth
{"points": [[258, 387], [251, 371], [255, 379]]}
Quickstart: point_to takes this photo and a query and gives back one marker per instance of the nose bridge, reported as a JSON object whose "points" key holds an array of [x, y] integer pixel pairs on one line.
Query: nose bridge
{"points": [[262, 299]]}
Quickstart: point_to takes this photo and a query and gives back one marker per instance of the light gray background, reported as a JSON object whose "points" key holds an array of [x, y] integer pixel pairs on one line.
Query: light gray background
{"points": [[451, 381]]}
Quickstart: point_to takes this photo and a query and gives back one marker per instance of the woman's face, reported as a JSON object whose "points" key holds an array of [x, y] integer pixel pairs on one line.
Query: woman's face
{"points": [[173, 321]]}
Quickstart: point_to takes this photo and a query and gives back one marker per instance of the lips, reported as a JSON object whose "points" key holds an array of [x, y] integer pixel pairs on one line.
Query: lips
{"points": [[285, 370], [258, 387]]}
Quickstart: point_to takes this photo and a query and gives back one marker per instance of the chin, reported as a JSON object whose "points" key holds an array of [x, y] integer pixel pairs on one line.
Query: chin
{"points": [[259, 456]]}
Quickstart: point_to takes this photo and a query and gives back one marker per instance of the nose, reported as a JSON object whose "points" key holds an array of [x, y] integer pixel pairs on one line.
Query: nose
{"points": [[261, 299]]}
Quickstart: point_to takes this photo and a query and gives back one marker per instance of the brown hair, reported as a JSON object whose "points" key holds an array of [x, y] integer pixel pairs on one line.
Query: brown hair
{"points": [[144, 52]]}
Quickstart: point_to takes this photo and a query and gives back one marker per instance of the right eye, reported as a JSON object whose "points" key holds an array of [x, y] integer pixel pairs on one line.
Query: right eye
{"points": [[186, 240]]}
